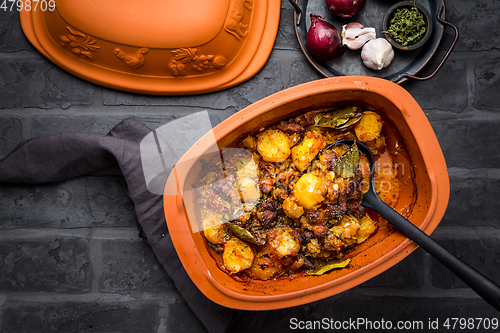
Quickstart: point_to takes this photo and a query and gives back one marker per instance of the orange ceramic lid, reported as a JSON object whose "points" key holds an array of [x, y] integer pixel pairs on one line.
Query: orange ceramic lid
{"points": [[381, 251], [156, 47]]}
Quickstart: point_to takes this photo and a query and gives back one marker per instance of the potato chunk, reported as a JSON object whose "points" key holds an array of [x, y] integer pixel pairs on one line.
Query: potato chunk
{"points": [[283, 241], [346, 230], [237, 255], [310, 191], [213, 229], [273, 145], [368, 227], [266, 265], [249, 189], [369, 127], [306, 151]]}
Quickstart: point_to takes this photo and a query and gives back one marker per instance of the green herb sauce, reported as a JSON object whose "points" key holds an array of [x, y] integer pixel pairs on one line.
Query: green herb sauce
{"points": [[407, 26]]}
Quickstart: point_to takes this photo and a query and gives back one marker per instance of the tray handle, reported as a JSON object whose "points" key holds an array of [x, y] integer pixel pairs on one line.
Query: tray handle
{"points": [[403, 77], [298, 10]]}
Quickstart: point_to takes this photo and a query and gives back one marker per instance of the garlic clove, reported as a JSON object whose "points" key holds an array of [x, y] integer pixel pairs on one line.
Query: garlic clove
{"points": [[355, 35], [377, 54]]}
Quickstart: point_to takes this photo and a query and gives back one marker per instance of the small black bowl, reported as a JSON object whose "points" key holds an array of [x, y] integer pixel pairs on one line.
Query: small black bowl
{"points": [[389, 15]]}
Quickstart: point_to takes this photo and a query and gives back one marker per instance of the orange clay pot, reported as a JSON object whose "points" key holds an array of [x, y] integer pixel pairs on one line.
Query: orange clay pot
{"points": [[156, 47], [381, 251]]}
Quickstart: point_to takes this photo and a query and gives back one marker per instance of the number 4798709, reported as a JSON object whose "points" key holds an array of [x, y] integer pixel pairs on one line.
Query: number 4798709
{"points": [[471, 323], [28, 5]]}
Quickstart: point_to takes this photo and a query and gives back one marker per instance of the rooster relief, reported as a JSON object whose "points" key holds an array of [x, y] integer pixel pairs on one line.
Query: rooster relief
{"points": [[234, 22], [133, 60]]}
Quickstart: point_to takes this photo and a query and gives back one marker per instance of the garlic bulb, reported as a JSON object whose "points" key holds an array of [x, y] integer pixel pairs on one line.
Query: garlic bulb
{"points": [[355, 35], [377, 53]]}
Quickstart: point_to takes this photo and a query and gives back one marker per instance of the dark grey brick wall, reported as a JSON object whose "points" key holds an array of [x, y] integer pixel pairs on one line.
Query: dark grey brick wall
{"points": [[137, 316], [53, 266], [70, 256], [79, 204], [128, 267]]}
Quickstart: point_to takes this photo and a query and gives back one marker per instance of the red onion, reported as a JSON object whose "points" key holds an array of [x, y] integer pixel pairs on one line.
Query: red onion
{"points": [[323, 40], [345, 8]]}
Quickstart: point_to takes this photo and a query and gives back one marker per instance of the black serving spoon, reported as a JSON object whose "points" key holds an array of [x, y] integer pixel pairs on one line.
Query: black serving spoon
{"points": [[483, 286]]}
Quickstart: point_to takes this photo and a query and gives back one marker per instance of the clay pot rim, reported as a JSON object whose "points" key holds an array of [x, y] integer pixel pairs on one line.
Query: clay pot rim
{"points": [[264, 295]]}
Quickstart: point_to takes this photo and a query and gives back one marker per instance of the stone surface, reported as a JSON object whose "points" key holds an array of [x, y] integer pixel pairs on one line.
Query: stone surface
{"points": [[130, 266], [11, 133], [469, 143], [70, 256], [38, 317], [408, 274], [32, 81], [486, 97], [181, 319], [471, 201], [446, 91], [81, 202], [12, 38], [285, 38], [474, 18], [54, 266], [470, 251], [49, 125]]}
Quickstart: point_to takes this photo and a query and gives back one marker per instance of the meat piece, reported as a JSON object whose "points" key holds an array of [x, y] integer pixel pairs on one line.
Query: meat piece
{"points": [[342, 200], [355, 186], [289, 127], [329, 158], [269, 167], [279, 193], [354, 208], [307, 262], [336, 211], [268, 211], [320, 230], [317, 217], [332, 243], [266, 184], [268, 218], [215, 203], [268, 204], [306, 119], [223, 186], [306, 236]]}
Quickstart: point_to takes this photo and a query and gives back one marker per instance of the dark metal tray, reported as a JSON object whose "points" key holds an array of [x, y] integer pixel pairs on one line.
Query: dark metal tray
{"points": [[405, 65]]}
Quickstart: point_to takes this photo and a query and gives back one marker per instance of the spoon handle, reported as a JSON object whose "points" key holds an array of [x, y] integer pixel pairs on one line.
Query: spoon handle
{"points": [[483, 286]]}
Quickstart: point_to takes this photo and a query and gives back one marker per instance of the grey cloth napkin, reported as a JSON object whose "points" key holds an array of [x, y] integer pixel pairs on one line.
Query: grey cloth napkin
{"points": [[68, 155]]}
